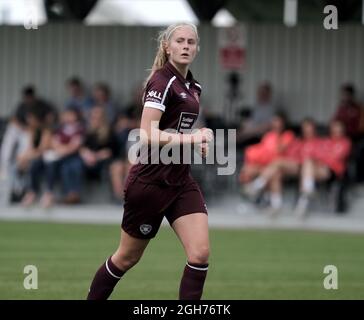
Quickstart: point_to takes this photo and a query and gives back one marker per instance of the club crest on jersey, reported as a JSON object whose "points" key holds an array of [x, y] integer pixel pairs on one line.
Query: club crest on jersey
{"points": [[145, 228], [183, 95], [196, 96], [154, 94]]}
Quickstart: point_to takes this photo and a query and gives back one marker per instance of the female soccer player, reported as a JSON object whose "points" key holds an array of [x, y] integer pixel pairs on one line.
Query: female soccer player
{"points": [[152, 191]]}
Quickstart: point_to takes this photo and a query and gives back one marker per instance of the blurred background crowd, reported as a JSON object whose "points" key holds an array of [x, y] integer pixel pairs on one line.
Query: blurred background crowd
{"points": [[85, 140], [51, 153]]}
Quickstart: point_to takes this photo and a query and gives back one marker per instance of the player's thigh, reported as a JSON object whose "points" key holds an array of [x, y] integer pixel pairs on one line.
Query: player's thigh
{"points": [[132, 245]]}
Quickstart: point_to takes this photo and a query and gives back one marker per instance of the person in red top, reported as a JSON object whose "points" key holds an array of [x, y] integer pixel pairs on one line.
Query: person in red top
{"points": [[286, 164], [157, 190], [273, 145], [326, 160]]}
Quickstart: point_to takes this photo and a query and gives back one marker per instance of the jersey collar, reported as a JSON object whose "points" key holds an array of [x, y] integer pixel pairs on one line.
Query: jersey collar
{"points": [[189, 78]]}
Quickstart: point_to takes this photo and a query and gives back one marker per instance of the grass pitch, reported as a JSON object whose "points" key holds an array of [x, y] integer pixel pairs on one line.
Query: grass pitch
{"points": [[244, 264]]}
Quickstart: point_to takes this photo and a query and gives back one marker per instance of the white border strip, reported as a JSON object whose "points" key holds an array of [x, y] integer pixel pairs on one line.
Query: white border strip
{"points": [[165, 91], [196, 84], [196, 268], [107, 268], [155, 105]]}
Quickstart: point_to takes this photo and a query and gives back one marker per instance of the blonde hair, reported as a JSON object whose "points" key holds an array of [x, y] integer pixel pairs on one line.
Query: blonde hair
{"points": [[161, 57]]}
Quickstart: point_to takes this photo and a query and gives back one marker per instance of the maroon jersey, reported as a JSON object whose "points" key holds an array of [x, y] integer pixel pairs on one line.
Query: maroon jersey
{"points": [[178, 99], [69, 131]]}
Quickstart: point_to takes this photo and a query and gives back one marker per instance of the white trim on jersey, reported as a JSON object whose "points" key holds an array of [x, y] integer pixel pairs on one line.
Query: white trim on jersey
{"points": [[196, 84], [196, 268], [166, 91], [107, 268], [155, 105]]}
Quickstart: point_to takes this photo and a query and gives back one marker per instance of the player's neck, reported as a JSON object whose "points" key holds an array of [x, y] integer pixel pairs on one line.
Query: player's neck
{"points": [[181, 68]]}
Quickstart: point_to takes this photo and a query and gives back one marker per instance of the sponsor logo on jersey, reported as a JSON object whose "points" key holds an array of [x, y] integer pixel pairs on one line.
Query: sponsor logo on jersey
{"points": [[183, 95], [154, 94], [145, 228], [186, 121]]}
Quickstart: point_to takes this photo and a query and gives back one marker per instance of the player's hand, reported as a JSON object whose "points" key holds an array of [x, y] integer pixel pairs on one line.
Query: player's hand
{"points": [[203, 135]]}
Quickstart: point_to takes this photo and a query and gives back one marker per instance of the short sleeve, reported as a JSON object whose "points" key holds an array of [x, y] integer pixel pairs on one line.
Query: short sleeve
{"points": [[157, 92]]}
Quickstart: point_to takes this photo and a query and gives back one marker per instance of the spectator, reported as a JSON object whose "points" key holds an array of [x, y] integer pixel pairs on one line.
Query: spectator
{"points": [[327, 161], [287, 164], [100, 144], [77, 97], [273, 145], [349, 112], [32, 160], [102, 97], [259, 121], [17, 136], [63, 159], [19, 167]]}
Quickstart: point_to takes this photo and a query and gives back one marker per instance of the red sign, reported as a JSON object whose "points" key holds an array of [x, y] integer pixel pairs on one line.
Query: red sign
{"points": [[232, 47], [232, 57]]}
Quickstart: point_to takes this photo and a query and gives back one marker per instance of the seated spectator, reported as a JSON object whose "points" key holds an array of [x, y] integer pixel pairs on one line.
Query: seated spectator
{"points": [[77, 97], [17, 136], [327, 161], [351, 114], [102, 97], [20, 165], [287, 164], [99, 146], [274, 144], [61, 159], [31, 160], [259, 120]]}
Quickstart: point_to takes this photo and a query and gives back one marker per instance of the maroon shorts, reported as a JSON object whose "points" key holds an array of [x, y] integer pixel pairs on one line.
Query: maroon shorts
{"points": [[146, 205]]}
